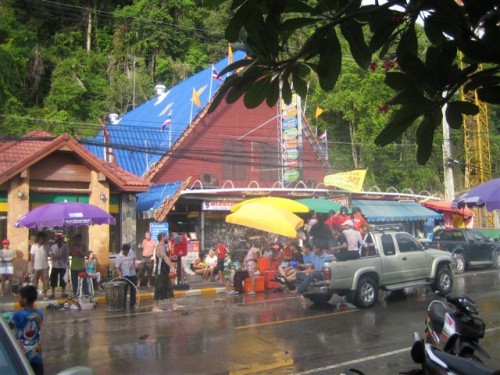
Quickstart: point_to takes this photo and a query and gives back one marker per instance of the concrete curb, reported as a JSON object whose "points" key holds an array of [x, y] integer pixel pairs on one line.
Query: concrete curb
{"points": [[101, 299]]}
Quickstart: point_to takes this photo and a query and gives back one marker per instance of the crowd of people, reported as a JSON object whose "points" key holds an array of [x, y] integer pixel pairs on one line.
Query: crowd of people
{"points": [[336, 236]]}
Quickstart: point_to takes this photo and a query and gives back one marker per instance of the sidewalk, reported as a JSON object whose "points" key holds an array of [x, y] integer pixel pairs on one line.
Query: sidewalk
{"points": [[10, 303]]}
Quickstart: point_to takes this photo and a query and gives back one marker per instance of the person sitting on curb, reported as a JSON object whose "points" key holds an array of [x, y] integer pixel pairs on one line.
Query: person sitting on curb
{"points": [[211, 262], [200, 268]]}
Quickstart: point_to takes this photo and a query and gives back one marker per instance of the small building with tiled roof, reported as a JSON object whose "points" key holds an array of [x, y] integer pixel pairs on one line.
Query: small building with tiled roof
{"points": [[40, 168]]}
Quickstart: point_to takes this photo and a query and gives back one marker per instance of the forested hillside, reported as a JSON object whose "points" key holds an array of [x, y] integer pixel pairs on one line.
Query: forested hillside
{"points": [[66, 65]]}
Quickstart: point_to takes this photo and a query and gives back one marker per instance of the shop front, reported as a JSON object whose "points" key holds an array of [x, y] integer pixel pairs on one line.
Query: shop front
{"points": [[410, 214]]}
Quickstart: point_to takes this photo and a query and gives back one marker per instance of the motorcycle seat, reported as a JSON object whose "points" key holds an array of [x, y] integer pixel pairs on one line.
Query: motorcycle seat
{"points": [[462, 365], [437, 312]]}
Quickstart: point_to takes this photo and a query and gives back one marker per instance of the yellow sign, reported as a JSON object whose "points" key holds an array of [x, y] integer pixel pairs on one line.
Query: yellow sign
{"points": [[351, 181]]}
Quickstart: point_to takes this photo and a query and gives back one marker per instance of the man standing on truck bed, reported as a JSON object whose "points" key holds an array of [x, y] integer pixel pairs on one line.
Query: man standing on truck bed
{"points": [[353, 238]]}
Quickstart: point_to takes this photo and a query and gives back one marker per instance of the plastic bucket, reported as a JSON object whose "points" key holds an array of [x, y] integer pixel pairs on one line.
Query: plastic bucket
{"points": [[264, 264], [115, 295], [259, 284]]}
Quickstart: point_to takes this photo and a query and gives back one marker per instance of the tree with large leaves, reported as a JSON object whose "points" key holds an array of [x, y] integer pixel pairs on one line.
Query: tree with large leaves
{"points": [[265, 29]]}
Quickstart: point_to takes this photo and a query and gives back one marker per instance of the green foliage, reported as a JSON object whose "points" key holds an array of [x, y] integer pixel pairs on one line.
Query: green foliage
{"points": [[355, 113], [423, 85], [49, 80], [47, 70]]}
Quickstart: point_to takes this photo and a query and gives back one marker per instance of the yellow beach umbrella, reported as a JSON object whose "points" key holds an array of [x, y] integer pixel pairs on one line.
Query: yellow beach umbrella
{"points": [[278, 202], [265, 217]]}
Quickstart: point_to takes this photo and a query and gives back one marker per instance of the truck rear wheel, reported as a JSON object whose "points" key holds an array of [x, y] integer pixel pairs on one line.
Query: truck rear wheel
{"points": [[443, 281], [366, 293]]}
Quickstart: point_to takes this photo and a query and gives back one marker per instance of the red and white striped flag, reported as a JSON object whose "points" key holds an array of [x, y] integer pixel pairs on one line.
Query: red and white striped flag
{"points": [[168, 121], [215, 74]]}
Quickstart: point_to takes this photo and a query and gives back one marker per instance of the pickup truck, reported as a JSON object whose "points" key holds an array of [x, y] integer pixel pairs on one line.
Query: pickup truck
{"points": [[396, 261], [470, 247]]}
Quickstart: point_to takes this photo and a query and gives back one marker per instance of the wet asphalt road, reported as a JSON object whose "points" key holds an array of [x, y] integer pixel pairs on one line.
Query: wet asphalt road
{"points": [[270, 333]]}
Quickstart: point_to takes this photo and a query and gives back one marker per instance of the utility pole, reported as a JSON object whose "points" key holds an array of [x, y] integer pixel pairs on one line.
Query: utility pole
{"points": [[448, 162]]}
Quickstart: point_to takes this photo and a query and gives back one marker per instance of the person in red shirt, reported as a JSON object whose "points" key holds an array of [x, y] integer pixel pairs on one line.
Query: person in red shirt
{"points": [[340, 218], [330, 220], [221, 251], [359, 220]]}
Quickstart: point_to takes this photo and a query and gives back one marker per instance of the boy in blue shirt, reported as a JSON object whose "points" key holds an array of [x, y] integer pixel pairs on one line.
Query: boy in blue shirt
{"points": [[318, 258], [27, 327]]}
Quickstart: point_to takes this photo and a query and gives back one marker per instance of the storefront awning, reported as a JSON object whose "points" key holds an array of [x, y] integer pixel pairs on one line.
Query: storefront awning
{"points": [[443, 206], [159, 199], [394, 211]]}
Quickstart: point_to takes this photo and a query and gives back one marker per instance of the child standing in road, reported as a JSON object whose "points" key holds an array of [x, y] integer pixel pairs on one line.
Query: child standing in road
{"points": [[28, 326]]}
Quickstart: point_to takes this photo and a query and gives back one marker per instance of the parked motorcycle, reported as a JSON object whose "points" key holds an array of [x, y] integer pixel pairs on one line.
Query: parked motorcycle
{"points": [[452, 327], [434, 361]]}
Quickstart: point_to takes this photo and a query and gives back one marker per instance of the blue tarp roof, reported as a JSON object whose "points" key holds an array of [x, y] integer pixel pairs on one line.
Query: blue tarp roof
{"points": [[137, 136], [156, 195], [394, 210]]}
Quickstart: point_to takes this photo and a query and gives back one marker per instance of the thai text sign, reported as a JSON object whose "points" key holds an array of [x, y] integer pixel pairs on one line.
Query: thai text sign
{"points": [[351, 181]]}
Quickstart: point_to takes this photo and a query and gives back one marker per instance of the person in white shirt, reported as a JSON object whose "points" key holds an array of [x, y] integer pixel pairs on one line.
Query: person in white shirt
{"points": [[211, 262], [40, 259], [125, 268], [353, 238], [59, 256]]}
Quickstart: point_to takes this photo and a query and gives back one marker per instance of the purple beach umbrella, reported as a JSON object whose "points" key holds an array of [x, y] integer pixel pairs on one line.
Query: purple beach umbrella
{"points": [[486, 194], [65, 214]]}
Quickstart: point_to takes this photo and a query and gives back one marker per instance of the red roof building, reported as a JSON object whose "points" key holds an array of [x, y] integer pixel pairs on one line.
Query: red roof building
{"points": [[40, 168], [239, 147]]}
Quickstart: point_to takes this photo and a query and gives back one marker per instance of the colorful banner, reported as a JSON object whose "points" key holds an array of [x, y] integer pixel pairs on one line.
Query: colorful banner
{"points": [[291, 140], [351, 181]]}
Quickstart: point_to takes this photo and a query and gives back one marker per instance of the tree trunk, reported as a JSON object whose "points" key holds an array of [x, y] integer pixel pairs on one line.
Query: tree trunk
{"points": [[354, 151], [89, 29]]}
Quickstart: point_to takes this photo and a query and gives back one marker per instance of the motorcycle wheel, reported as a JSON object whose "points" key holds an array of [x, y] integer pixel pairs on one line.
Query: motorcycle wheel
{"points": [[443, 281]]}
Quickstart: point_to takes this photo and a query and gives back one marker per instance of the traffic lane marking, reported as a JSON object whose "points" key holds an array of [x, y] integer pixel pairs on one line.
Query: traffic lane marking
{"points": [[354, 361], [369, 358], [296, 319]]}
